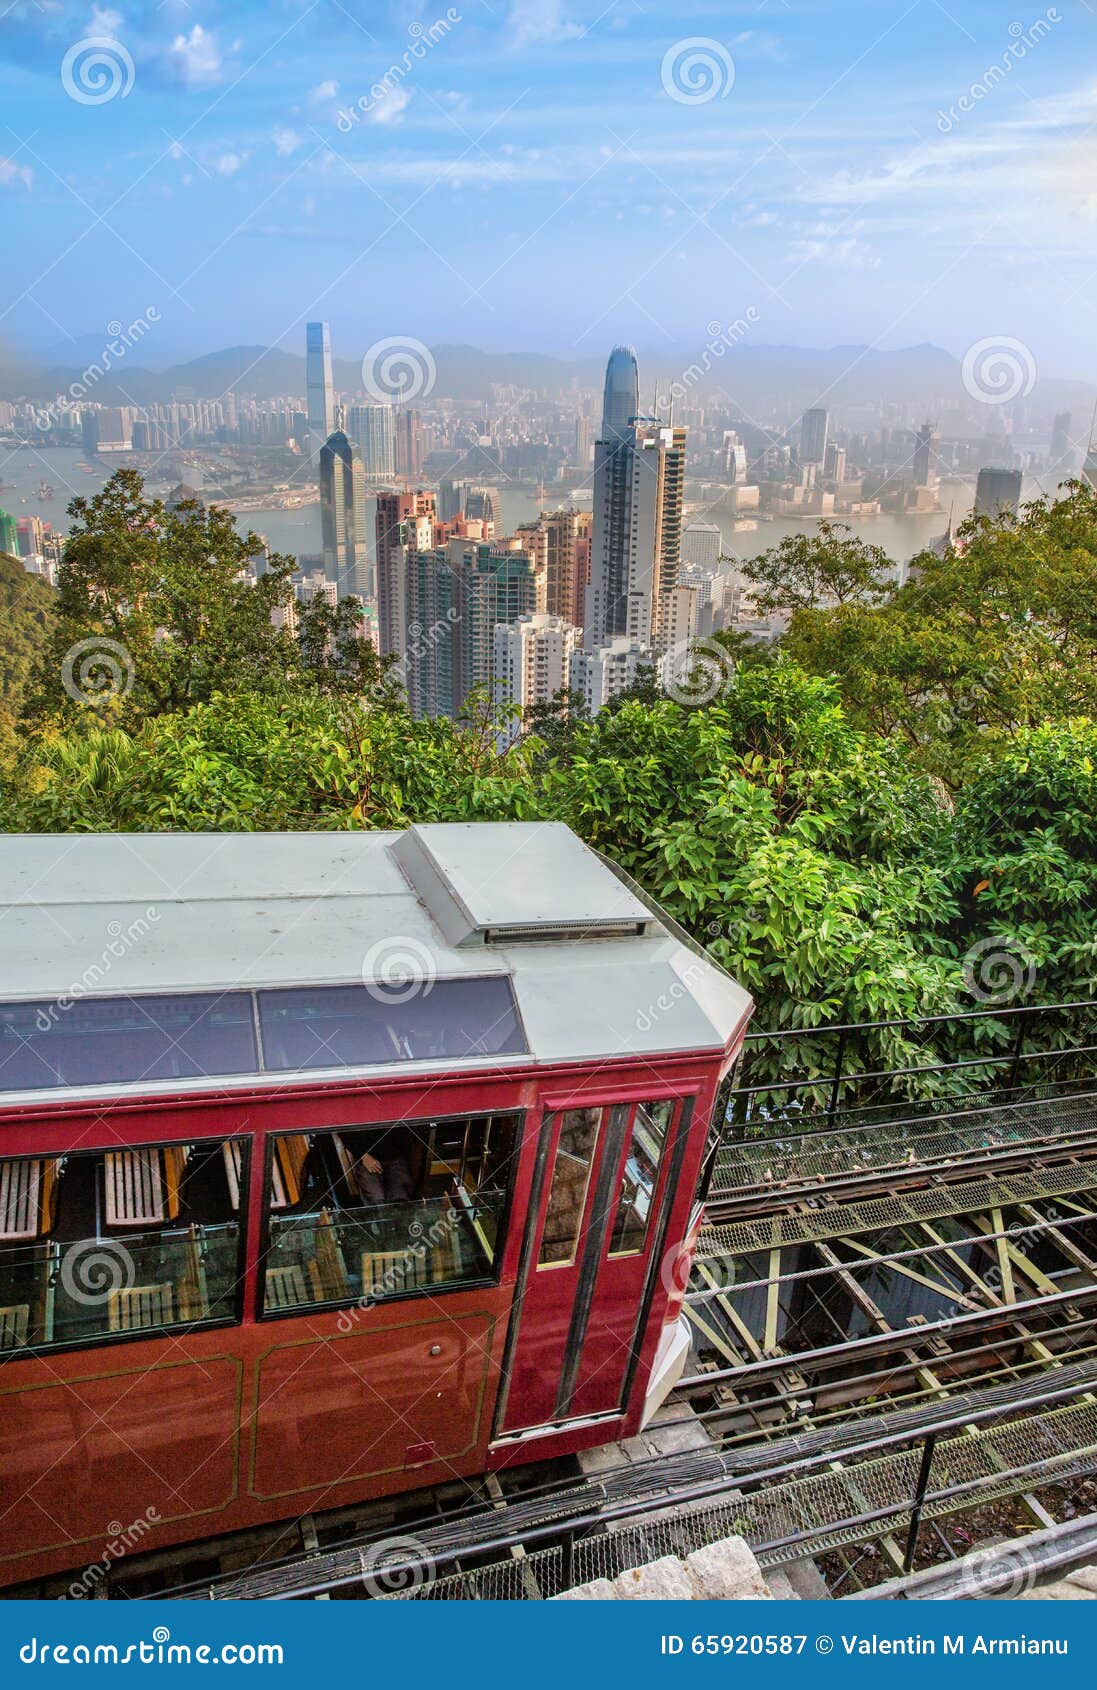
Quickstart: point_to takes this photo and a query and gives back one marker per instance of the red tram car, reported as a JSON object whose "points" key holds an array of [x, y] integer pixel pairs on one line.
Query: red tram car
{"points": [[332, 1166]]}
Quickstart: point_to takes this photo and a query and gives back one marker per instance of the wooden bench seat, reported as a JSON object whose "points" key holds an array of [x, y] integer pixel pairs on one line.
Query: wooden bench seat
{"points": [[20, 1187], [14, 1325], [132, 1308], [134, 1188]]}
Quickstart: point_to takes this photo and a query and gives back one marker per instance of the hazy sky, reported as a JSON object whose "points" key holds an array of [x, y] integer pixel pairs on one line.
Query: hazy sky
{"points": [[552, 175]]}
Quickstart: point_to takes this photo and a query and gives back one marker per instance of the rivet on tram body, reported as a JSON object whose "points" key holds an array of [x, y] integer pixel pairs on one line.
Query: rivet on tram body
{"points": [[436, 1349]]}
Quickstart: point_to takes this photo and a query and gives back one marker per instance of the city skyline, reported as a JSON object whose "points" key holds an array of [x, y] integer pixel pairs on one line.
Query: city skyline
{"points": [[853, 177]]}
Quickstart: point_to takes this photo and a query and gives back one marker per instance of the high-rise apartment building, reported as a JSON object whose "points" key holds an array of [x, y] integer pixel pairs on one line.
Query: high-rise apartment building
{"points": [[372, 428], [636, 538], [559, 543], [997, 493], [343, 518], [813, 437], [409, 444], [702, 543], [456, 597], [319, 391], [598, 676], [531, 664], [404, 523]]}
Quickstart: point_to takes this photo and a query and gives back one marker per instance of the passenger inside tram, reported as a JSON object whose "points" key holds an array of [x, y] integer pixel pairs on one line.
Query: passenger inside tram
{"points": [[364, 1213]]}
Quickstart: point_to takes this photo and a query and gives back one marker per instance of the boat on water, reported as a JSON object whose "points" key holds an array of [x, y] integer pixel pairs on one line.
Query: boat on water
{"points": [[45, 490]]}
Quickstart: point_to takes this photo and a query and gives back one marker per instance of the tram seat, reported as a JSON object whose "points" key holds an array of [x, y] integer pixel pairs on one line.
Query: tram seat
{"points": [[232, 1152], [134, 1188], [193, 1295], [326, 1268], [175, 1161], [134, 1307], [288, 1170], [20, 1186], [445, 1258], [388, 1272], [49, 1192], [285, 1288], [14, 1325]]}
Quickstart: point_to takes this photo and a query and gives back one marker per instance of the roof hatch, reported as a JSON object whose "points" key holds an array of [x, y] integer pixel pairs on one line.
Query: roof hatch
{"points": [[516, 881]]}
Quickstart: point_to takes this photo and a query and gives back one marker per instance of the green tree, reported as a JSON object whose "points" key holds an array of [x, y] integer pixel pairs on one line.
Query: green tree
{"points": [[809, 571], [156, 611], [26, 613]]}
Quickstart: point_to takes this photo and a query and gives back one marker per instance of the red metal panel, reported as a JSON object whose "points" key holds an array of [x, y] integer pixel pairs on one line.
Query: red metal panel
{"points": [[95, 1442], [347, 1408]]}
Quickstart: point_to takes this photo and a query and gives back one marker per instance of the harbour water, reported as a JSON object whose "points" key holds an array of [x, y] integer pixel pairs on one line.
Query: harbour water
{"points": [[43, 481]]}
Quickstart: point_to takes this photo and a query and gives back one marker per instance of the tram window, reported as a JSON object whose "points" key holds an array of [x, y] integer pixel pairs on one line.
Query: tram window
{"points": [[130, 1241], [364, 1214], [111, 1041], [650, 1127], [568, 1191], [357, 1026]]}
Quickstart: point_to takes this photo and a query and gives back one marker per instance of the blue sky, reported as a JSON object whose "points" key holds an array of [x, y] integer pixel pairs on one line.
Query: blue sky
{"points": [[534, 179]]}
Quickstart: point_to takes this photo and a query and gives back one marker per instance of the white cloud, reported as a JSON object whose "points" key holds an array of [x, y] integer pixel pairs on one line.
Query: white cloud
{"points": [[195, 59], [11, 173], [323, 92], [227, 164], [104, 22], [286, 141], [849, 254], [390, 108], [531, 21]]}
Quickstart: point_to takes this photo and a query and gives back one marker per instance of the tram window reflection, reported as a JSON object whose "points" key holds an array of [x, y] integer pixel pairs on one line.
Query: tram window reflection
{"points": [[104, 1243], [650, 1128], [363, 1214], [568, 1192]]}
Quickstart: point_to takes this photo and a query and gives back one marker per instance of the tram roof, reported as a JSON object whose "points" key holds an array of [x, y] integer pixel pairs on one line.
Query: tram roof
{"points": [[596, 971]]}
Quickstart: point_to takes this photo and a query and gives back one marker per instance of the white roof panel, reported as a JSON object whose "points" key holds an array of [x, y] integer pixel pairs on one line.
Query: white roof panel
{"points": [[108, 915]]}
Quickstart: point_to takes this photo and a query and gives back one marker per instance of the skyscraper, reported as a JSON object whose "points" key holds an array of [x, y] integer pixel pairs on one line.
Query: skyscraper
{"points": [[637, 525], [318, 383], [621, 395], [997, 493], [373, 431], [813, 437], [925, 463], [343, 518], [559, 543], [409, 444], [404, 524], [1061, 452]]}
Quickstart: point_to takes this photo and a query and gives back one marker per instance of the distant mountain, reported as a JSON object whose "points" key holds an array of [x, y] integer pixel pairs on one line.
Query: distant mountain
{"points": [[766, 382]]}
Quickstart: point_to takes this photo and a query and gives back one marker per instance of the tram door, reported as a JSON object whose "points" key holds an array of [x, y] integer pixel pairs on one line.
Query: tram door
{"points": [[595, 1225]]}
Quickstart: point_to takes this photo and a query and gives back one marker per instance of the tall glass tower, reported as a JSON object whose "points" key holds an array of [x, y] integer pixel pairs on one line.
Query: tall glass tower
{"points": [[318, 383], [343, 518], [621, 395]]}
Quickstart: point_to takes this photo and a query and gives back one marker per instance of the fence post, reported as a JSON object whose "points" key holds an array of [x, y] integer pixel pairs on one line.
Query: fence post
{"points": [[920, 1490], [1018, 1048], [836, 1083]]}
